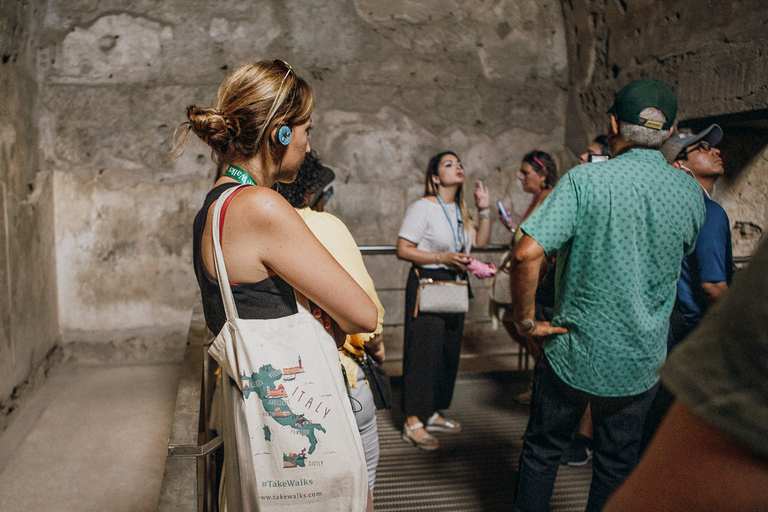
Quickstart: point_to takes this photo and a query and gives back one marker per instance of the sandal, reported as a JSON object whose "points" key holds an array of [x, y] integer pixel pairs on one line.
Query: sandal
{"points": [[427, 441], [445, 426]]}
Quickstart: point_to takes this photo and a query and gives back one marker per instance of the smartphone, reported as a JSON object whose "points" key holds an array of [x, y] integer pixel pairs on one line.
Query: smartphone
{"points": [[503, 211], [598, 158]]}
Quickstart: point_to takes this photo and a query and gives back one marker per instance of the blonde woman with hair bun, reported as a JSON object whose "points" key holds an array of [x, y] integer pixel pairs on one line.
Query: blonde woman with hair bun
{"points": [[258, 134]]}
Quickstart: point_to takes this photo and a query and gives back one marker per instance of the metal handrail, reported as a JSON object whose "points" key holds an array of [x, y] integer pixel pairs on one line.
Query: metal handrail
{"points": [[195, 450], [392, 249], [369, 250], [190, 471]]}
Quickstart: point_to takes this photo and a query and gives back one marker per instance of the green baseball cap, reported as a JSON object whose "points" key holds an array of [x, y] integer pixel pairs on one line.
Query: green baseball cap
{"points": [[641, 94]]}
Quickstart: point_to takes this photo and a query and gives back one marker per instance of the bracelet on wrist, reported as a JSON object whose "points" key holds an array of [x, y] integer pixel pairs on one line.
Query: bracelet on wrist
{"points": [[526, 325], [485, 213], [437, 258]]}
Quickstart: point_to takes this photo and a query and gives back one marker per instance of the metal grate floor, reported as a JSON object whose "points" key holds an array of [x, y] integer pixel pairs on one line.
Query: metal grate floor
{"points": [[475, 469]]}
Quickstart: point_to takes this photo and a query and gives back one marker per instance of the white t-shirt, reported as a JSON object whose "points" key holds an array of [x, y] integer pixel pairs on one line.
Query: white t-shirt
{"points": [[426, 225]]}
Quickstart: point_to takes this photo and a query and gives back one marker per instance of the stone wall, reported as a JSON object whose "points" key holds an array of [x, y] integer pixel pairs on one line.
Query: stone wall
{"points": [[394, 81], [28, 308], [95, 219], [714, 55]]}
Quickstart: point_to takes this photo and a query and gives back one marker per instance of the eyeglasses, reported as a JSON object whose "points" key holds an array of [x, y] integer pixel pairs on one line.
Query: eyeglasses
{"points": [[701, 146]]}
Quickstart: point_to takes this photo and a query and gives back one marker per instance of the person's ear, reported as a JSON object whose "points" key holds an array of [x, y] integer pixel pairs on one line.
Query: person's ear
{"points": [[677, 165], [614, 127], [671, 131], [273, 137]]}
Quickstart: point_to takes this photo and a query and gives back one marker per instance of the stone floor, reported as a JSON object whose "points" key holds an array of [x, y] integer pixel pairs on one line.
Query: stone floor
{"points": [[93, 438]]}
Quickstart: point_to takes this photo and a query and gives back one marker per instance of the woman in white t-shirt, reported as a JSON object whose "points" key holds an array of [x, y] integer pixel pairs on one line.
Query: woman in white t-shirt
{"points": [[435, 237]]}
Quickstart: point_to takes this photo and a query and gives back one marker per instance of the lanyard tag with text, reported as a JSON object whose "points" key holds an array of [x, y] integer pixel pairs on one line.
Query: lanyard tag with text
{"points": [[240, 175]]}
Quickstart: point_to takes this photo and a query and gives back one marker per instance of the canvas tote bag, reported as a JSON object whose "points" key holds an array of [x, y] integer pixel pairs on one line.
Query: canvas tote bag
{"points": [[296, 437]]}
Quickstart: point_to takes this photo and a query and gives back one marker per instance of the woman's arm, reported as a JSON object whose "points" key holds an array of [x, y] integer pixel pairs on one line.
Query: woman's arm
{"points": [[262, 232], [406, 250], [483, 204], [483, 234]]}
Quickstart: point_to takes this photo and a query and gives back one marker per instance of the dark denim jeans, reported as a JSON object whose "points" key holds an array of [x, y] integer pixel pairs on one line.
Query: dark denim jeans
{"points": [[556, 409]]}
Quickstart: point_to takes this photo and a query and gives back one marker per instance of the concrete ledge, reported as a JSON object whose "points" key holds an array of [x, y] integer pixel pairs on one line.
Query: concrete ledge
{"points": [[157, 344]]}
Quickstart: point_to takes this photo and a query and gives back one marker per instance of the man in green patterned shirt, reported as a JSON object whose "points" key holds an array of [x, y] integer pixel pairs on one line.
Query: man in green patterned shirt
{"points": [[620, 229]]}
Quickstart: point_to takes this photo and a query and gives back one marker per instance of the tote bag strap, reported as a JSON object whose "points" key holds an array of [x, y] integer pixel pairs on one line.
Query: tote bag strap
{"points": [[221, 269]]}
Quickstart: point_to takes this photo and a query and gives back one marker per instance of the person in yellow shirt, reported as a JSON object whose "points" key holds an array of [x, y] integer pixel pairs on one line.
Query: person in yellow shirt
{"points": [[308, 194]]}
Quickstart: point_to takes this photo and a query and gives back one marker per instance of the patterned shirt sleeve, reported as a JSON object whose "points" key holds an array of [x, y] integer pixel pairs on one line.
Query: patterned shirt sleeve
{"points": [[553, 224]]}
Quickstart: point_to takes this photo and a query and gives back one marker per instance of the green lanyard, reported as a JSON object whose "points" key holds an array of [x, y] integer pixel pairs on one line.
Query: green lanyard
{"points": [[240, 175]]}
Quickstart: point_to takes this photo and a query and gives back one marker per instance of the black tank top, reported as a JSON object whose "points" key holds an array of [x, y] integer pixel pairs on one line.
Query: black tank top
{"points": [[270, 298]]}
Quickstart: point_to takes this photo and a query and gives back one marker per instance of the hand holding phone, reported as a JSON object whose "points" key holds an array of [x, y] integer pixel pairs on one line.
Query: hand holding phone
{"points": [[503, 211]]}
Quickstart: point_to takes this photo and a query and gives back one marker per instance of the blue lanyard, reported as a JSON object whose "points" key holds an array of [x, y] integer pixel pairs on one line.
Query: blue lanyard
{"points": [[457, 243]]}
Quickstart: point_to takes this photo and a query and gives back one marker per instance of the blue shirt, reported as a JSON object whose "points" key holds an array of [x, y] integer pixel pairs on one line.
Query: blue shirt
{"points": [[621, 229], [711, 262]]}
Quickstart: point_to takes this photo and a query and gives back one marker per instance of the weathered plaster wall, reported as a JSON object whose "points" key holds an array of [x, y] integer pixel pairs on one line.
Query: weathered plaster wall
{"points": [[28, 309], [394, 81], [714, 55], [95, 220], [745, 199]]}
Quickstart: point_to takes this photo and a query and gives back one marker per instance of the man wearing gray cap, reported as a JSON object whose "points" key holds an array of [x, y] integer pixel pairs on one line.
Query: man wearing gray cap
{"points": [[706, 273], [620, 229]]}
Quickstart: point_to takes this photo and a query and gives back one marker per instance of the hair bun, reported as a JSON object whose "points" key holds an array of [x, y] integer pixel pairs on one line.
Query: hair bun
{"points": [[211, 125]]}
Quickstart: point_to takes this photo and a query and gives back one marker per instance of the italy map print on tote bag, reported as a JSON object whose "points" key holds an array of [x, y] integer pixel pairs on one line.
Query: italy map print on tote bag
{"points": [[275, 397]]}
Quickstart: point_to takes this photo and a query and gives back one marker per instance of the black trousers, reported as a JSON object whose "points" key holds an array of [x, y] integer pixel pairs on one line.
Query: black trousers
{"points": [[431, 350], [556, 409]]}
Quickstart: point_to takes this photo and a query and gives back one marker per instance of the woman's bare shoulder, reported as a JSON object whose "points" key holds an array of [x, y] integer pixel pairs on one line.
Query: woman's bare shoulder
{"points": [[263, 204]]}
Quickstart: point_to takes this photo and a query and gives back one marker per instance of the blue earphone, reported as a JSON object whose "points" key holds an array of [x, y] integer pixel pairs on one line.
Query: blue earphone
{"points": [[284, 135]]}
